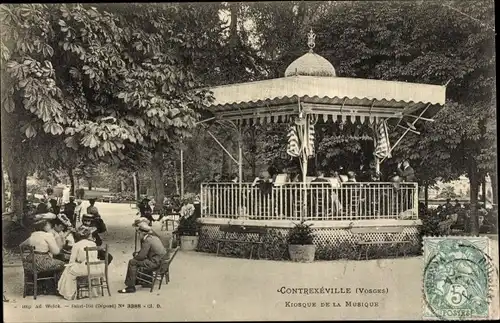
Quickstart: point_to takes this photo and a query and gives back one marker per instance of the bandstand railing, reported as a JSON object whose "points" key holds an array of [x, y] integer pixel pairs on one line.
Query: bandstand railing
{"points": [[318, 201]]}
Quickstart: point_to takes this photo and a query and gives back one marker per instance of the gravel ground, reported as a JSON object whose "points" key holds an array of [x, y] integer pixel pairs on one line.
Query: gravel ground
{"points": [[205, 288]]}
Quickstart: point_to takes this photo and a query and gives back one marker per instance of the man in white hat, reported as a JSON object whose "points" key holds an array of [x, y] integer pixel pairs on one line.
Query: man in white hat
{"points": [[148, 257]]}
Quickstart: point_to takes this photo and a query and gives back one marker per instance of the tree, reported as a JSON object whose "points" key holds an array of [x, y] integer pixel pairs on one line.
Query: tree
{"points": [[427, 42], [101, 81]]}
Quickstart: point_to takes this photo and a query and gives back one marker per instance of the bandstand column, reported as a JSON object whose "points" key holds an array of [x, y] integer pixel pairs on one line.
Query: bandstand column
{"points": [[240, 171], [305, 141]]}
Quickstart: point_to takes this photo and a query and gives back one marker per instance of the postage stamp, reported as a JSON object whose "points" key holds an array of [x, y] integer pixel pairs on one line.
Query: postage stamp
{"points": [[458, 278]]}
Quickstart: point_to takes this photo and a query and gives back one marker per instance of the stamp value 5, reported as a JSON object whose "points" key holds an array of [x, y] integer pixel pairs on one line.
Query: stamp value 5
{"points": [[458, 276]]}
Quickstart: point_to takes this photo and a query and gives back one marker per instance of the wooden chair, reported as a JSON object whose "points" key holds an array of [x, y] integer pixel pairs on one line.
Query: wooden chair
{"points": [[150, 277], [31, 274], [84, 283]]}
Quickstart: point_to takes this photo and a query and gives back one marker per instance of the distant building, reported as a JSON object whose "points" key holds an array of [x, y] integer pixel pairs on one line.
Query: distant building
{"points": [[461, 187]]}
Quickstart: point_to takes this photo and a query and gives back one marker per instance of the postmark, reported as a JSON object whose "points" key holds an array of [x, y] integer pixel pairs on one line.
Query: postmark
{"points": [[458, 277]]}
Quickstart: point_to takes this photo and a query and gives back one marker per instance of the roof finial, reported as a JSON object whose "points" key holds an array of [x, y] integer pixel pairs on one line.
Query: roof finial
{"points": [[310, 40]]}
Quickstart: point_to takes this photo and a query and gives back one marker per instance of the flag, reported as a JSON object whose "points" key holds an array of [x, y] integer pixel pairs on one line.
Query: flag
{"points": [[309, 138], [383, 145], [293, 142], [301, 140]]}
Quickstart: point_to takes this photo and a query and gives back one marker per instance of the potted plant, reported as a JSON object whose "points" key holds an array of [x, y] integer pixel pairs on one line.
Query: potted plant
{"points": [[300, 243], [188, 233]]}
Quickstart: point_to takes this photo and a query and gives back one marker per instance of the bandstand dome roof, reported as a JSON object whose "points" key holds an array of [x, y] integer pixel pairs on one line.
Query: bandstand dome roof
{"points": [[312, 82], [310, 64]]}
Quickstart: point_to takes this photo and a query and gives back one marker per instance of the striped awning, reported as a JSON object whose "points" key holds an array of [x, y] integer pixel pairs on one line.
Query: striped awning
{"points": [[332, 98]]}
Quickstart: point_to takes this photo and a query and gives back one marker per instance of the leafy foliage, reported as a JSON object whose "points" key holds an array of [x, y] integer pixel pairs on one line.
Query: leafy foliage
{"points": [[301, 234], [188, 226], [98, 82]]}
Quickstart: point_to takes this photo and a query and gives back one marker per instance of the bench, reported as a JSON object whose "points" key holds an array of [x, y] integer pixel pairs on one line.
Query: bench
{"points": [[231, 230], [363, 236]]}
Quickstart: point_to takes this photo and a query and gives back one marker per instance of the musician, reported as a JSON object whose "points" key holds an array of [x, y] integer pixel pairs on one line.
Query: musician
{"points": [[149, 257], [406, 171]]}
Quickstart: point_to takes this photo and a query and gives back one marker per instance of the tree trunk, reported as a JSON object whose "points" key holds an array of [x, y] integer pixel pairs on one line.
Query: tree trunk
{"points": [[223, 165], [157, 172], [176, 178], [71, 181], [483, 190], [3, 193], [233, 27], [474, 191], [123, 188], [494, 188], [17, 179], [426, 195], [138, 186], [90, 184]]}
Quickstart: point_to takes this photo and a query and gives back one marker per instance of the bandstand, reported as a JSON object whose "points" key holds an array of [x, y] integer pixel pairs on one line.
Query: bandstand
{"points": [[311, 93]]}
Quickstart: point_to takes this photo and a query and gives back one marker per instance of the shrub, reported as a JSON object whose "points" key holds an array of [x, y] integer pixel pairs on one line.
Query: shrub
{"points": [[430, 220], [125, 196], [301, 234], [188, 226]]}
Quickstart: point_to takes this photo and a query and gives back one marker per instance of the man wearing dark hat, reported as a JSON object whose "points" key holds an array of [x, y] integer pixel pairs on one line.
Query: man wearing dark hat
{"points": [[42, 207], [149, 256]]}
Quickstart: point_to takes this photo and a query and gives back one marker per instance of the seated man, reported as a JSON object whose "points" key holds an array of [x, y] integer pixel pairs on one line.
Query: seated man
{"points": [[149, 257]]}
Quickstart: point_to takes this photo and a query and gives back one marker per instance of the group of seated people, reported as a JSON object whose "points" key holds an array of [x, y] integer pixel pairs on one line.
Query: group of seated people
{"points": [[171, 206], [59, 245], [403, 173], [449, 208]]}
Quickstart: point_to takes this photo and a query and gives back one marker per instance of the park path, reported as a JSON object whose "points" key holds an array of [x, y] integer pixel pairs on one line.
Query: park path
{"points": [[204, 287]]}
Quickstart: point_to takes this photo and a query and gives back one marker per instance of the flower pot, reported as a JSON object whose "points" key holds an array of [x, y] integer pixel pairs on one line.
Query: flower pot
{"points": [[302, 253], [189, 243]]}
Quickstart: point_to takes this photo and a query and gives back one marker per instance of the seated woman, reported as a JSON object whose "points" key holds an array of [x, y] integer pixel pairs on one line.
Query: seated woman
{"points": [[145, 210], [45, 245], [187, 208], [77, 264], [96, 225], [63, 233]]}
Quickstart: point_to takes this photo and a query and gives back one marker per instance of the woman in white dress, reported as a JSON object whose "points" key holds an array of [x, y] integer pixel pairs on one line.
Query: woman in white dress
{"points": [[77, 264]]}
